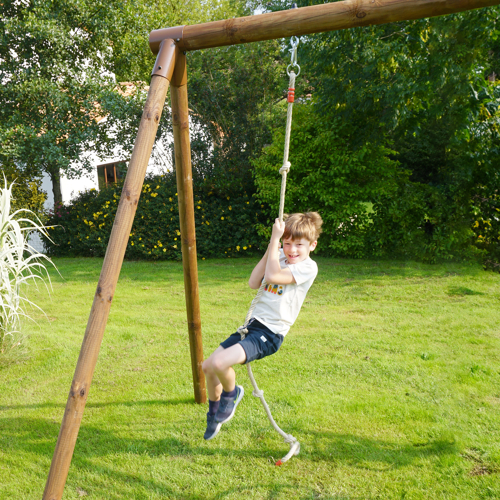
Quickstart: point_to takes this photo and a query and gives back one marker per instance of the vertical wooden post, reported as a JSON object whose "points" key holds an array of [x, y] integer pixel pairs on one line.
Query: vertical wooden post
{"points": [[182, 146], [107, 281]]}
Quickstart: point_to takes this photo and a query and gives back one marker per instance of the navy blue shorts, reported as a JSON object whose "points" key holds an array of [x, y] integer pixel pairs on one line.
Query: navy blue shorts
{"points": [[258, 343]]}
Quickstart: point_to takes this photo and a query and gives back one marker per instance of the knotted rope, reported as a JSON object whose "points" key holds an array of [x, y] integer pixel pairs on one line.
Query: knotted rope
{"points": [[242, 330]]}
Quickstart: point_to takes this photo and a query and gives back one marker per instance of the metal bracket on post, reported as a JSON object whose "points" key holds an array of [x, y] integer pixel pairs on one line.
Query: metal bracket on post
{"points": [[156, 37], [165, 54]]}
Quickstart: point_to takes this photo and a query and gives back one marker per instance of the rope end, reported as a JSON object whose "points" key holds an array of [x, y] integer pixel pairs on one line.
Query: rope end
{"points": [[278, 463]]}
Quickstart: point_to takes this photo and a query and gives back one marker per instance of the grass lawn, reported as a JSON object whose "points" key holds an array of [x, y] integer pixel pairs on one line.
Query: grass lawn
{"points": [[390, 379]]}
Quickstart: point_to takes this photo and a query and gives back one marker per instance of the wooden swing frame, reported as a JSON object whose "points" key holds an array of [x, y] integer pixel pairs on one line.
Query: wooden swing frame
{"points": [[171, 45]]}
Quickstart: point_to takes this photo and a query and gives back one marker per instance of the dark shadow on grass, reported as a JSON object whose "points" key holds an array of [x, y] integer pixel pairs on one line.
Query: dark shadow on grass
{"points": [[365, 453], [38, 436], [461, 291], [292, 491], [361, 270], [150, 402]]}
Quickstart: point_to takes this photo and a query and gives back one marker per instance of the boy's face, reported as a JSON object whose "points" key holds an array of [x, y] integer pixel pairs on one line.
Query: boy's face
{"points": [[297, 250]]}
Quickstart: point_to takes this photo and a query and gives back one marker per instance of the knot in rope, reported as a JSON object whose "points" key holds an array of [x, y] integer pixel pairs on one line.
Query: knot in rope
{"points": [[243, 331], [258, 393], [285, 168], [290, 439]]}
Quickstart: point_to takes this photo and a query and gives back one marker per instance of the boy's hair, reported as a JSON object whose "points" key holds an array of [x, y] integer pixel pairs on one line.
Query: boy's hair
{"points": [[306, 225]]}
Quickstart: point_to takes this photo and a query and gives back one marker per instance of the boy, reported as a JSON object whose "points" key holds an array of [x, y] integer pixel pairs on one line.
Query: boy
{"points": [[289, 273]]}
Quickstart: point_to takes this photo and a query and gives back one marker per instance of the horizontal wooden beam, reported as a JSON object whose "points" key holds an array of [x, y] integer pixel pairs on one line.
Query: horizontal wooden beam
{"points": [[307, 20]]}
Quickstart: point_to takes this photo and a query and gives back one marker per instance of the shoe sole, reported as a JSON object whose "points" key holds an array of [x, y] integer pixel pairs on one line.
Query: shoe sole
{"points": [[217, 429], [236, 403]]}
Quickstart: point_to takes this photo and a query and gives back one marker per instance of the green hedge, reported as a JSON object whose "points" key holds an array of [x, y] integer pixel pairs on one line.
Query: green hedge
{"points": [[225, 225], [327, 176], [372, 206], [486, 227]]}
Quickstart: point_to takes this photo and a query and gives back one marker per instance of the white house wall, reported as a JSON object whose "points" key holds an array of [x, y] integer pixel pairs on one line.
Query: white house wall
{"points": [[70, 188]]}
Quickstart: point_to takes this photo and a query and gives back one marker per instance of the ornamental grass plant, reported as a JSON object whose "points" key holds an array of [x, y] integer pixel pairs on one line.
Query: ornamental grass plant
{"points": [[20, 266]]}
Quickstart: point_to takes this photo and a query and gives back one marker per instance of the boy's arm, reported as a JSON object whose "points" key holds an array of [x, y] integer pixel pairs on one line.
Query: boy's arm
{"points": [[274, 274], [258, 272]]}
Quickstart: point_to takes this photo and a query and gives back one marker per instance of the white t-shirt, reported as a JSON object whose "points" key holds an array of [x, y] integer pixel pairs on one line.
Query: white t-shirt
{"points": [[280, 305]]}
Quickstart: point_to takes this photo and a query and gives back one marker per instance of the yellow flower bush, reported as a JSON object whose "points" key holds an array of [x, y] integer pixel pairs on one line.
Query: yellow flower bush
{"points": [[224, 224]]}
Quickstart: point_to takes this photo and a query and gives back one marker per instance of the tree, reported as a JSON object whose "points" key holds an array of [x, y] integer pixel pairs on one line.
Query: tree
{"points": [[233, 93], [132, 58], [53, 69], [58, 61], [27, 193], [426, 89], [327, 175], [231, 89]]}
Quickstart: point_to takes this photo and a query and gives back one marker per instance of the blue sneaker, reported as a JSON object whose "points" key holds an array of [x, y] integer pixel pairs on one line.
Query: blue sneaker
{"points": [[227, 406], [213, 427]]}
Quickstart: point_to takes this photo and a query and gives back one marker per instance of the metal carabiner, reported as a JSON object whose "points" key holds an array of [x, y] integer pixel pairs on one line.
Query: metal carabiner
{"points": [[294, 41]]}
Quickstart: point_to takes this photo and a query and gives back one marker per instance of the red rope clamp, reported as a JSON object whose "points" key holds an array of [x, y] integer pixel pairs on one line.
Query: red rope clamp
{"points": [[291, 94]]}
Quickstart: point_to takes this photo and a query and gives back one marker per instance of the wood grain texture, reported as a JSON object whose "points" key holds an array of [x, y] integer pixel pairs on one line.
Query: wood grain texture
{"points": [[318, 18], [106, 289], [182, 146]]}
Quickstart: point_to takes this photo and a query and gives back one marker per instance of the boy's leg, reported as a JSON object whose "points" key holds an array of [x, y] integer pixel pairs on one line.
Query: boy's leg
{"points": [[220, 374], [222, 364], [232, 394], [214, 387]]}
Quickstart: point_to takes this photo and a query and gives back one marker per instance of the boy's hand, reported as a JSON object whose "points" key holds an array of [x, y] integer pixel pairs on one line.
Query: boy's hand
{"points": [[278, 230]]}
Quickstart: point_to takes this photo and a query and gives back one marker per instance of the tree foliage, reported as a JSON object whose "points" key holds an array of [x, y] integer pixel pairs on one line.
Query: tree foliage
{"points": [[59, 62], [132, 59], [327, 175], [233, 93], [26, 193], [425, 89], [54, 57]]}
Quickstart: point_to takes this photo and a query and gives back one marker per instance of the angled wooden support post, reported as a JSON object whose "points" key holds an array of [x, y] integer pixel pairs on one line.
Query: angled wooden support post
{"points": [[110, 271], [182, 146]]}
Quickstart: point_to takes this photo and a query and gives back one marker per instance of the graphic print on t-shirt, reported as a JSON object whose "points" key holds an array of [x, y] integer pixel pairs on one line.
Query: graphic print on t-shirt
{"points": [[276, 289]]}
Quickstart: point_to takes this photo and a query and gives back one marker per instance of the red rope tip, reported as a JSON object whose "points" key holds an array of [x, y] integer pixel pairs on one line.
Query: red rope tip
{"points": [[278, 463]]}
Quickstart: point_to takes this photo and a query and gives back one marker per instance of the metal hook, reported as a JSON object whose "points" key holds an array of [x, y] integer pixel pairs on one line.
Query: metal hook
{"points": [[294, 42]]}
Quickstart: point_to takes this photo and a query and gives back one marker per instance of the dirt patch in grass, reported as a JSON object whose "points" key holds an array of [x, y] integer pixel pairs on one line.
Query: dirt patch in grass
{"points": [[481, 466]]}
